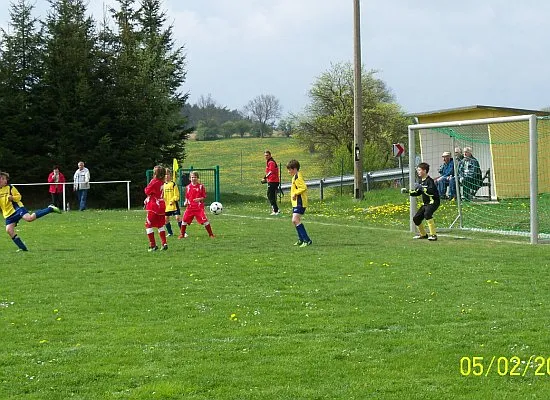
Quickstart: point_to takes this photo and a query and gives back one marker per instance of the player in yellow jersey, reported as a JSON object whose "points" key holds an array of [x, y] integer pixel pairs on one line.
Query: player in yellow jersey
{"points": [[298, 194], [171, 198], [13, 209]]}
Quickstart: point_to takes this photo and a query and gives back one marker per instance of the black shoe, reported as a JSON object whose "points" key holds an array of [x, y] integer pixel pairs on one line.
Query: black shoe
{"points": [[432, 238], [420, 237], [165, 247], [154, 248]]}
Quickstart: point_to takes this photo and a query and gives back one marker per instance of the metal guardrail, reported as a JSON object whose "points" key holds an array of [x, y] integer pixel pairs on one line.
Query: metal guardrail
{"points": [[346, 180]]}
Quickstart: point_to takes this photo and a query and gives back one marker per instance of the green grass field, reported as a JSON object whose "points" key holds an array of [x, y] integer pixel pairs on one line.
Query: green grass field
{"points": [[365, 312]]}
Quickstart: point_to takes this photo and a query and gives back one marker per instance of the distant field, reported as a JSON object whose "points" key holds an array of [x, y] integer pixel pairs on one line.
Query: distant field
{"points": [[242, 163]]}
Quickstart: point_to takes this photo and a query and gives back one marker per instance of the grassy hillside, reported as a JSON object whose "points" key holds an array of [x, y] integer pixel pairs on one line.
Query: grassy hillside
{"points": [[242, 163]]}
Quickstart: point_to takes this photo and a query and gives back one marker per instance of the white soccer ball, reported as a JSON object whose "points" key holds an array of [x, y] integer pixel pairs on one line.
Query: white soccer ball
{"points": [[216, 208]]}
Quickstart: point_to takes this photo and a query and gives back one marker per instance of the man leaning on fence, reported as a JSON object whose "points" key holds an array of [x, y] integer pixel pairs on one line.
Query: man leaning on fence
{"points": [[81, 185]]}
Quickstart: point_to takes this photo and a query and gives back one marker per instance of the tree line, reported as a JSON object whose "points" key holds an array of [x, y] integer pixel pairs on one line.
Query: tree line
{"points": [[212, 121], [108, 94], [325, 126]]}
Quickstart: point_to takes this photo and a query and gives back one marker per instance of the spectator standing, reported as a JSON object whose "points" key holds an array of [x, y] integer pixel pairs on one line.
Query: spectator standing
{"points": [[272, 179], [57, 180], [81, 185]]}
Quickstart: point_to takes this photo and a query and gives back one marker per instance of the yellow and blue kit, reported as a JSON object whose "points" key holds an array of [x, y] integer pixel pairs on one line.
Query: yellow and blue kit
{"points": [[9, 207], [172, 198], [298, 189]]}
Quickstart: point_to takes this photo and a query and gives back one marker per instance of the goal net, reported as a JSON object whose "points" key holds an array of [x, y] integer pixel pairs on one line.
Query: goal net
{"points": [[501, 184]]}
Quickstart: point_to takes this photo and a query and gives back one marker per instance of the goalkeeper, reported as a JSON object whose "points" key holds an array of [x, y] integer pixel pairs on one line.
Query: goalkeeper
{"points": [[430, 197]]}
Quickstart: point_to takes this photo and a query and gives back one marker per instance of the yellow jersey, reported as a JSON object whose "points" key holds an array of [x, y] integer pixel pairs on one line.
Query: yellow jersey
{"points": [[298, 189], [171, 196], [8, 206]]}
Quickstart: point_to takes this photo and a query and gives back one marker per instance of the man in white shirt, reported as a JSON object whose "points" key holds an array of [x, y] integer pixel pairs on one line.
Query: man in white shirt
{"points": [[81, 185]]}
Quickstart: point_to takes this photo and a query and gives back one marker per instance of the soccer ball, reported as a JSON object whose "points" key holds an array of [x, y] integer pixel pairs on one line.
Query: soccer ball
{"points": [[216, 208]]}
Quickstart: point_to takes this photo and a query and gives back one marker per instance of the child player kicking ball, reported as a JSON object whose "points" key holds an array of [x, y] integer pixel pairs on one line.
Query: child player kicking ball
{"points": [[195, 194], [430, 197], [13, 209], [298, 193]]}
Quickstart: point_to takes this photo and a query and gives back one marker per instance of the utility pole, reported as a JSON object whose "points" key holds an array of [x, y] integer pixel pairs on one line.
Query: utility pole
{"points": [[357, 105]]}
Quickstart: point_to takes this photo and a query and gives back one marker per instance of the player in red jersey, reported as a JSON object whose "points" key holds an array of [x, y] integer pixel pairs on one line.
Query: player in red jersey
{"points": [[155, 206], [195, 194]]}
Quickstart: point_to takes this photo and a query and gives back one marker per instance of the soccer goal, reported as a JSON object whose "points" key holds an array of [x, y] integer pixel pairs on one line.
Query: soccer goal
{"points": [[506, 191]]}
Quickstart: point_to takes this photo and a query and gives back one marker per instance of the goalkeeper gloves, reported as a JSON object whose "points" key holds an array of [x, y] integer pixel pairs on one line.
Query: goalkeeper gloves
{"points": [[404, 190], [263, 181]]}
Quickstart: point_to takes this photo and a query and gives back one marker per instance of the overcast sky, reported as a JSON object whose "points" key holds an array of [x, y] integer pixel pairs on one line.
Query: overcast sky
{"points": [[433, 54]]}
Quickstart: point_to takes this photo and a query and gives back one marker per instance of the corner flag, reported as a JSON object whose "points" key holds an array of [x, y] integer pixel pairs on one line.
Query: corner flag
{"points": [[175, 167]]}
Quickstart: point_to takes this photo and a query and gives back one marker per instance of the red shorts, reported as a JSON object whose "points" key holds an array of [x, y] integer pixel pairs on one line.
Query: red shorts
{"points": [[198, 214], [154, 220]]}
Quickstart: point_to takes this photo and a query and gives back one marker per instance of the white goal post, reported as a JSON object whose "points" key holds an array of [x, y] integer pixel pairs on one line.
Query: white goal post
{"points": [[493, 138]]}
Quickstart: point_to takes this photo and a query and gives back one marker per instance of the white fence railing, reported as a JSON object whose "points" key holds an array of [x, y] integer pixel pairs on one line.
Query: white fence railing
{"points": [[65, 184]]}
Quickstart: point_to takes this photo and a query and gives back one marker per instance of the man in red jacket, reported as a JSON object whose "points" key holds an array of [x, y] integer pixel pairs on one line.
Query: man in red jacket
{"points": [[272, 179]]}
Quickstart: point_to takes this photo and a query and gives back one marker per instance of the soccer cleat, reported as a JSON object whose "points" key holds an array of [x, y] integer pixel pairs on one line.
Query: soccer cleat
{"points": [[54, 209], [165, 246], [420, 237], [20, 250], [169, 234], [432, 238], [181, 236], [305, 244], [275, 213], [298, 243], [154, 248]]}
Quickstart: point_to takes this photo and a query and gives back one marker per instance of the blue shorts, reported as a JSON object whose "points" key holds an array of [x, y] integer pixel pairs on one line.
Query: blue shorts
{"points": [[298, 210], [16, 216]]}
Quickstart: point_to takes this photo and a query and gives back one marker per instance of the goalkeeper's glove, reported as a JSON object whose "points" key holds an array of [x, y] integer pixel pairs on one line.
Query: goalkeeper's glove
{"points": [[404, 190], [263, 181]]}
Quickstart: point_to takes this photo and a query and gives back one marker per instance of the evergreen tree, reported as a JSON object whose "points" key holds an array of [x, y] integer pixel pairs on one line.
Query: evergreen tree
{"points": [[23, 143], [70, 97]]}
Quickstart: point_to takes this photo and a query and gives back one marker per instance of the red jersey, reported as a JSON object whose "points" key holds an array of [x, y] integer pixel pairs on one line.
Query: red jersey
{"points": [[155, 197], [56, 187], [193, 192], [272, 171]]}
